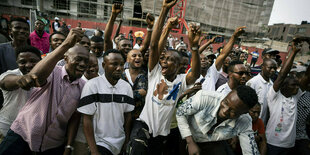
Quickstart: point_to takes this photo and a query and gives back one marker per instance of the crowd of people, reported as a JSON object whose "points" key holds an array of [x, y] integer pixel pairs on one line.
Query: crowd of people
{"points": [[66, 93]]}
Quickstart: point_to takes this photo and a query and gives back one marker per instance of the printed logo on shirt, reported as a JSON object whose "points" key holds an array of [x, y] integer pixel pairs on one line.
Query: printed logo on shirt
{"points": [[161, 89]]}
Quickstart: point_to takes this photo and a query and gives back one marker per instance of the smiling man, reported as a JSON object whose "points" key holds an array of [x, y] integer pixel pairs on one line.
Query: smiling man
{"points": [[208, 118], [41, 124]]}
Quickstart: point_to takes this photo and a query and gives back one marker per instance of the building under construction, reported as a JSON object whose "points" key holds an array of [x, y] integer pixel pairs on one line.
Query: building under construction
{"points": [[215, 16]]}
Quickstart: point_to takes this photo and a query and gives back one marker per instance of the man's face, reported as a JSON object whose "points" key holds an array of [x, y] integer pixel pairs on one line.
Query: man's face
{"points": [[124, 46], [57, 40], [139, 42], [92, 69], [182, 49], [19, 30], [39, 26], [291, 86], [26, 61], [96, 48], [135, 59], [254, 112], [269, 69], [205, 61], [184, 65], [242, 57], [85, 42], [169, 64], [232, 106], [226, 64], [240, 74], [76, 62], [113, 66]]}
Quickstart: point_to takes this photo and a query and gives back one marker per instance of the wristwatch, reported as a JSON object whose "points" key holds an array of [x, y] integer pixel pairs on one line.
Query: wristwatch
{"points": [[195, 48], [69, 147]]}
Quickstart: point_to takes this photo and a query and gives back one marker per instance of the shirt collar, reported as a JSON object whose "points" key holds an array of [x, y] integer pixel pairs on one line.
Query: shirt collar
{"points": [[65, 76], [263, 80], [107, 82], [224, 74]]}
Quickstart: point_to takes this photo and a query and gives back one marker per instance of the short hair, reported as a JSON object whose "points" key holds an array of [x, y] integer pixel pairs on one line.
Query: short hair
{"points": [[267, 60], [40, 20], [28, 48], [233, 64], [56, 32], [96, 39], [19, 19], [106, 53], [179, 58], [247, 95], [124, 39]]}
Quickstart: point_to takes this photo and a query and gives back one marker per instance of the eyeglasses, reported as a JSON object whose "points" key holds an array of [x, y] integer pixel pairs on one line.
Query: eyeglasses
{"points": [[243, 72]]}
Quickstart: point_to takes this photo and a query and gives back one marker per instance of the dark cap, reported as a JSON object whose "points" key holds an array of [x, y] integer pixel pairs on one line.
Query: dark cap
{"points": [[269, 51]]}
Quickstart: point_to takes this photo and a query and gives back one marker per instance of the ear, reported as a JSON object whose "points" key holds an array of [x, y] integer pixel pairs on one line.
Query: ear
{"points": [[66, 58], [103, 64]]}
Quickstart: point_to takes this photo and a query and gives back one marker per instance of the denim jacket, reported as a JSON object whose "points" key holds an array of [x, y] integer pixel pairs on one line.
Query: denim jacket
{"points": [[198, 114]]}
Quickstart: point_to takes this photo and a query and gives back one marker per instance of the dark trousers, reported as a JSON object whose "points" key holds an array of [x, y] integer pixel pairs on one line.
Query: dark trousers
{"points": [[253, 62], [301, 147], [14, 144], [274, 150], [143, 143], [103, 150], [214, 148], [175, 145]]}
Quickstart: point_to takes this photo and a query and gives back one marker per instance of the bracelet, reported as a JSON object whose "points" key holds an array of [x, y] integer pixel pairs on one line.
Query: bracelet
{"points": [[148, 29], [69, 147], [195, 48]]}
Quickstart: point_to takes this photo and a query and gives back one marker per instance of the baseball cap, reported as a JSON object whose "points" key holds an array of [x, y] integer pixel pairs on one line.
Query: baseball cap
{"points": [[209, 54], [56, 18], [270, 50]]}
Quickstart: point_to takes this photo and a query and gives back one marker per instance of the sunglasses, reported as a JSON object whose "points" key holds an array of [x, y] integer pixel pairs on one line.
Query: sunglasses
{"points": [[243, 72]]}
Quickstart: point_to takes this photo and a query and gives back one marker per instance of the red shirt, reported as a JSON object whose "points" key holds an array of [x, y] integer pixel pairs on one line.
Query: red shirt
{"points": [[42, 43], [258, 126]]}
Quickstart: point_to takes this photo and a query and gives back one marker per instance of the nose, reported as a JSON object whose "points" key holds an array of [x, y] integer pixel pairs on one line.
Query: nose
{"points": [[29, 65]]}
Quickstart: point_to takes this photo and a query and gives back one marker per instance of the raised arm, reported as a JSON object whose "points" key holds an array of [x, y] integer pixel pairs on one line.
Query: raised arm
{"points": [[171, 23], [40, 72], [118, 29], [116, 9], [154, 52], [146, 43], [193, 38], [227, 48], [204, 46], [286, 67], [9, 82]]}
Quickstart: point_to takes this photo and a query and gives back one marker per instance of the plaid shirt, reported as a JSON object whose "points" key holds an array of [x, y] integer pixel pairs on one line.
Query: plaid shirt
{"points": [[197, 115]]}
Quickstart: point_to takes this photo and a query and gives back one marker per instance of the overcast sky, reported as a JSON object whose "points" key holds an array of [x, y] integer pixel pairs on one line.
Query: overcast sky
{"points": [[290, 11]]}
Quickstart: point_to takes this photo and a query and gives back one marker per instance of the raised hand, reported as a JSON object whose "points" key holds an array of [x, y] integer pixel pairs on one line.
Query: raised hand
{"points": [[117, 8], [173, 22], [27, 81], [213, 39], [239, 31], [296, 45], [169, 3], [150, 20], [194, 35], [75, 35]]}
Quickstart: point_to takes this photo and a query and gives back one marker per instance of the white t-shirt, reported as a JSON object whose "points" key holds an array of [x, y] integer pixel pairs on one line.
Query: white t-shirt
{"points": [[262, 88], [101, 70], [224, 89], [281, 127], [13, 102], [160, 106], [108, 117], [136, 47], [210, 79]]}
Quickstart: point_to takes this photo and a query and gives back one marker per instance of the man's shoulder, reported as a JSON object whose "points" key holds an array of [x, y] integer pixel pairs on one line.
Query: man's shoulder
{"points": [[123, 84], [6, 45]]}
